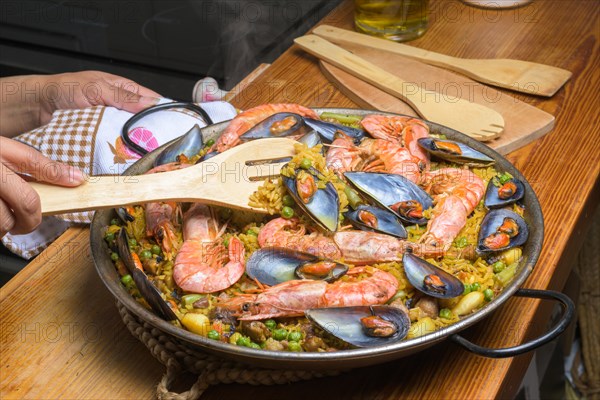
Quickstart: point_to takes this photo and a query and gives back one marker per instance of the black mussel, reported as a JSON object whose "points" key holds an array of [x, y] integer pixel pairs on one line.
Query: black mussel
{"points": [[274, 265], [311, 139], [125, 213], [371, 218], [327, 130], [508, 193], [454, 151], [500, 230], [187, 145], [321, 205], [362, 326], [147, 289], [394, 192], [429, 279], [277, 125]]}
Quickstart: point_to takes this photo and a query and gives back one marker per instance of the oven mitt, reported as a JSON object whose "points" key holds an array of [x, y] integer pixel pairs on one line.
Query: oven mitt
{"points": [[90, 140]]}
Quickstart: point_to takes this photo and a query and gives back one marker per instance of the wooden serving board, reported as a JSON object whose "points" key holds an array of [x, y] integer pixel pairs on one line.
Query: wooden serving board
{"points": [[523, 122]]}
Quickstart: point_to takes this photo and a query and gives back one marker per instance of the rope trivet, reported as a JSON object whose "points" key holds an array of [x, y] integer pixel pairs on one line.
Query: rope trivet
{"points": [[211, 370]]}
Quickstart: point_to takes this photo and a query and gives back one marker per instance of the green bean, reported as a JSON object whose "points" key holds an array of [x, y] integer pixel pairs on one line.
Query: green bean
{"points": [[342, 118], [190, 299], [353, 198], [504, 277]]}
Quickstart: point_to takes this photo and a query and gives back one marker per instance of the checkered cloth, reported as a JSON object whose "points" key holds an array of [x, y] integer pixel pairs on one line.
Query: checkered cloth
{"points": [[90, 140]]}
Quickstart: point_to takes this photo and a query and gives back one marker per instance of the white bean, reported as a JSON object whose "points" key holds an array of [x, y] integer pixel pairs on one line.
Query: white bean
{"points": [[468, 303]]}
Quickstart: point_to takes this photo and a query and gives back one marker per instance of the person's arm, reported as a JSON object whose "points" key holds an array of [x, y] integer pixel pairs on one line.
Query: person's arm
{"points": [[27, 102]]}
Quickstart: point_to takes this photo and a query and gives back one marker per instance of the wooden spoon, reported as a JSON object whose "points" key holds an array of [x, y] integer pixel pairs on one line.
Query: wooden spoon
{"points": [[521, 76], [227, 179], [472, 119]]}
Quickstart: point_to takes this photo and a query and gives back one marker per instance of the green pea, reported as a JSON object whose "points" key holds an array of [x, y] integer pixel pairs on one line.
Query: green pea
{"points": [[251, 232], [114, 221], [461, 242], [145, 254], [488, 294], [132, 242], [288, 200], [475, 287], [287, 212], [210, 142], [155, 249], [253, 345], [214, 335], [294, 346], [280, 334], [109, 237], [305, 163], [127, 280], [114, 256], [445, 313], [271, 324], [295, 336], [498, 267], [243, 341], [468, 289]]}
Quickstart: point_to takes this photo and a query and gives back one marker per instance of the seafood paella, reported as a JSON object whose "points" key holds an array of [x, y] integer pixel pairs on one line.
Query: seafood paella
{"points": [[376, 231]]}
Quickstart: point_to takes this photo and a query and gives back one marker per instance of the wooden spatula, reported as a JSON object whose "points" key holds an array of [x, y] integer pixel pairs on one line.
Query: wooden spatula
{"points": [[475, 120], [227, 179], [521, 76]]}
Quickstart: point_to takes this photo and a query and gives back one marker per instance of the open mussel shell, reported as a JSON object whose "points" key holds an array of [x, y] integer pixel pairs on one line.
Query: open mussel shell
{"points": [[493, 222], [189, 145], [147, 289], [311, 139], [375, 219], [277, 125], [323, 207], [497, 197], [429, 279], [388, 190], [275, 265], [327, 130], [346, 323], [454, 151]]}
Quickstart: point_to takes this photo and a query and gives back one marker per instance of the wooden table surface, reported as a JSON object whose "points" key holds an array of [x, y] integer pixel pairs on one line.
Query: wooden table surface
{"points": [[61, 335]]}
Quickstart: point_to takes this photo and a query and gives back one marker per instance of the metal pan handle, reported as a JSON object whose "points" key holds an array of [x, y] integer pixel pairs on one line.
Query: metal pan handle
{"points": [[567, 316]]}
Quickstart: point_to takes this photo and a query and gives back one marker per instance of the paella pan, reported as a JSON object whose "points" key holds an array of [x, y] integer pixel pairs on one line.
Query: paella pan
{"points": [[329, 205]]}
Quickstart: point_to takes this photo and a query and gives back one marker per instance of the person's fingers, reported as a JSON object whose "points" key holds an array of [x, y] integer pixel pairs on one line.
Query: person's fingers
{"points": [[124, 99], [7, 219], [25, 159], [24, 202]]}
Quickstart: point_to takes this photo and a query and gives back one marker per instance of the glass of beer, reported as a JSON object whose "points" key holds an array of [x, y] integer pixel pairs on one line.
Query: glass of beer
{"points": [[398, 20]]}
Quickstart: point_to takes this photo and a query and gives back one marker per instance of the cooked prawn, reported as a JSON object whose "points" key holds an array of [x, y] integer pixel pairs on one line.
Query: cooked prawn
{"points": [[402, 130], [249, 118], [204, 264], [456, 193], [292, 298]]}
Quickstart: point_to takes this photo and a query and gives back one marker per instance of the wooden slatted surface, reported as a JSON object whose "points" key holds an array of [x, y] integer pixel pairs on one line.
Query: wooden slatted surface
{"points": [[61, 287]]}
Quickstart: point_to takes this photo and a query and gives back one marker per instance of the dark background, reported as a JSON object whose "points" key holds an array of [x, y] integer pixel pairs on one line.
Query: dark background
{"points": [[166, 45]]}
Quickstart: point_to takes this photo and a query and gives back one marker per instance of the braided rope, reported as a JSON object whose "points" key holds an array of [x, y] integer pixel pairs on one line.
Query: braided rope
{"points": [[211, 370]]}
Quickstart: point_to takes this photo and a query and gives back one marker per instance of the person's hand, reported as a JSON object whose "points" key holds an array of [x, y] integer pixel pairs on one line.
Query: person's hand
{"points": [[20, 210], [92, 88]]}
